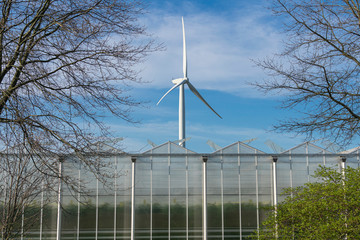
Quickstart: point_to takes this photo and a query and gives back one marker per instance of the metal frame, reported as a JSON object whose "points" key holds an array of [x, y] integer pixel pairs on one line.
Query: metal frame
{"points": [[151, 197], [240, 200], [222, 197], [115, 194], [79, 198], [169, 195], [257, 193], [133, 161], [274, 193], [59, 201], [256, 159], [204, 218]]}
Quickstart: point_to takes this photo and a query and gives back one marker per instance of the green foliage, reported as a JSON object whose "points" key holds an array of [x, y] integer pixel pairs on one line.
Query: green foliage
{"points": [[326, 209]]}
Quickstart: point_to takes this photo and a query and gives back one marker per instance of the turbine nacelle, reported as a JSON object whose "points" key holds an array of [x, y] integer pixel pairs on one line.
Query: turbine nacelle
{"points": [[179, 80]]}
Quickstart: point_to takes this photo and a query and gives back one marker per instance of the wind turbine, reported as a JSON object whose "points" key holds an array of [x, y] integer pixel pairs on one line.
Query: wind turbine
{"points": [[180, 82]]}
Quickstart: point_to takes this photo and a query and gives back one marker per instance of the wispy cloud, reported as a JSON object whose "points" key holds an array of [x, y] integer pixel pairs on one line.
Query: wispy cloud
{"points": [[222, 39], [220, 47]]}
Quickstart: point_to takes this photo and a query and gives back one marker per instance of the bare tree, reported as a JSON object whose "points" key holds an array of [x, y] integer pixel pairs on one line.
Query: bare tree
{"points": [[63, 64], [24, 193], [318, 70]]}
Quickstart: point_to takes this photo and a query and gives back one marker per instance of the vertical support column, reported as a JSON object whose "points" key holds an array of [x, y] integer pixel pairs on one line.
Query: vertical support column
{"points": [[187, 194], [133, 160], [343, 166], [274, 193], [97, 206], [58, 224], [41, 210], [257, 194], [22, 222], [204, 159], [274, 160], [115, 194], [79, 202], [151, 196], [169, 194], [239, 182], [97, 195], [307, 162], [181, 115], [23, 215], [3, 211], [222, 198], [290, 172]]}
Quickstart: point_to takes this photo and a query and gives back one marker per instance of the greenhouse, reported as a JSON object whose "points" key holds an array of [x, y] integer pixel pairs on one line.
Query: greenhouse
{"points": [[170, 192]]}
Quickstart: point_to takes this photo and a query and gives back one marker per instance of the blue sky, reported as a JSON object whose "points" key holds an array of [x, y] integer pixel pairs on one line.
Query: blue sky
{"points": [[222, 39]]}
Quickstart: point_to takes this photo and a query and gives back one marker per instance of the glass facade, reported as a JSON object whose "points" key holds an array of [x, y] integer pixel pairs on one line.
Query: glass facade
{"points": [[170, 192]]}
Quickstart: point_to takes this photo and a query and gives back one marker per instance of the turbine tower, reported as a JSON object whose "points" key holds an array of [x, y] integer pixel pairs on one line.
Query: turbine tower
{"points": [[180, 82]]}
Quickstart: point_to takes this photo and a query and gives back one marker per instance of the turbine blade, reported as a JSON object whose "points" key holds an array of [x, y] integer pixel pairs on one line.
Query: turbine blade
{"points": [[184, 50], [193, 89], [175, 86]]}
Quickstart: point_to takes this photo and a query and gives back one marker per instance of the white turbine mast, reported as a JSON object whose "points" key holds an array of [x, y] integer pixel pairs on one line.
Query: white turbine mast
{"points": [[180, 82]]}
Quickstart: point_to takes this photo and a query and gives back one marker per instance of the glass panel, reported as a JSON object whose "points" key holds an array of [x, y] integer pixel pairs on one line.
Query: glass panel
{"points": [[248, 195], [88, 205], [161, 149], [178, 217], [265, 188], [142, 216], [332, 162], [49, 219], [314, 163], [246, 149], [307, 148], [32, 214], [314, 149], [214, 204], [88, 217], [178, 198], [299, 149], [283, 179], [238, 148], [160, 217], [106, 209], [160, 197], [69, 217], [142, 198], [106, 215], [231, 198], [231, 217], [352, 162], [299, 170], [123, 199], [234, 148], [195, 198], [174, 148]]}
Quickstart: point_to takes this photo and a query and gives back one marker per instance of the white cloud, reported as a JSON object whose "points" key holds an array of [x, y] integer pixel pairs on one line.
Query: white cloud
{"points": [[219, 48], [221, 43]]}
